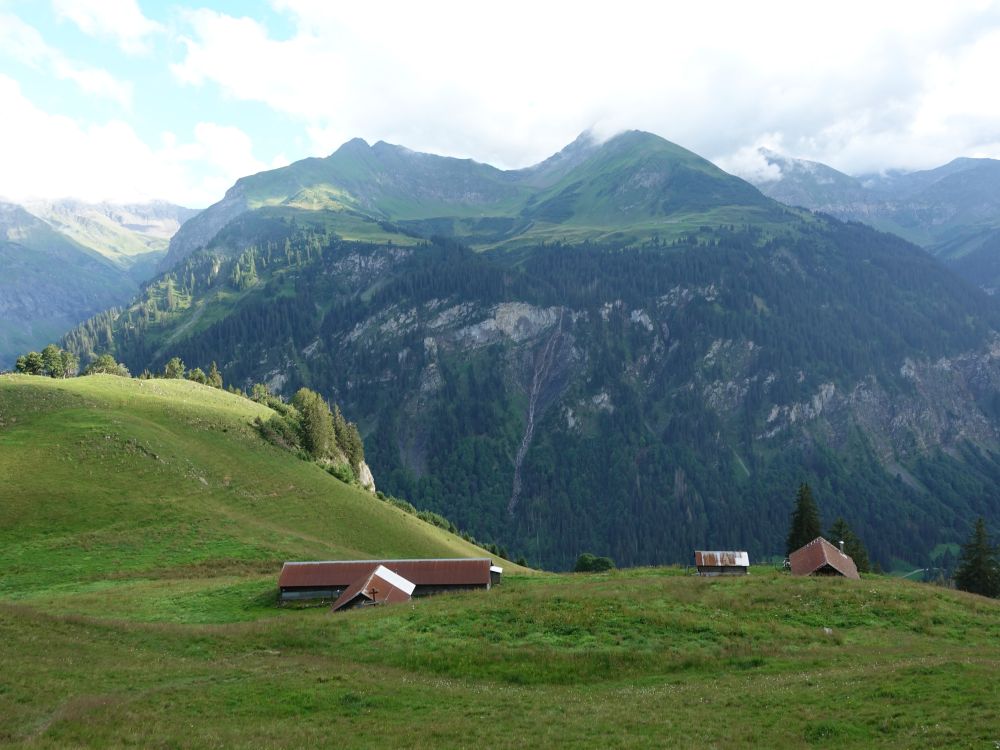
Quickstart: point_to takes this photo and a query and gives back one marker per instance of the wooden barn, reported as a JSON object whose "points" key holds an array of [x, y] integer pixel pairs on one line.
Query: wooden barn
{"points": [[328, 579], [381, 586], [820, 558], [722, 563]]}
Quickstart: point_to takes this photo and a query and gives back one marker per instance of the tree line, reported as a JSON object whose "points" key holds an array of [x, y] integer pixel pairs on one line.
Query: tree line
{"points": [[310, 426]]}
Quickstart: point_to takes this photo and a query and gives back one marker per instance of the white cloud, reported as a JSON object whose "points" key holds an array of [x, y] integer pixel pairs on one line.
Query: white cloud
{"points": [[24, 44], [46, 155], [751, 162], [511, 83], [861, 86], [120, 20]]}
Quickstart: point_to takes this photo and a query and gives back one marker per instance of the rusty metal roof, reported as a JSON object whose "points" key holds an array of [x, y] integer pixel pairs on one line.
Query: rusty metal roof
{"points": [[725, 559], [380, 586], [818, 554], [427, 572]]}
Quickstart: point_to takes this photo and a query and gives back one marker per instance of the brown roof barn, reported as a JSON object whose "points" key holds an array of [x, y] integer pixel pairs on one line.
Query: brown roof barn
{"points": [[381, 586], [821, 558], [327, 579]]}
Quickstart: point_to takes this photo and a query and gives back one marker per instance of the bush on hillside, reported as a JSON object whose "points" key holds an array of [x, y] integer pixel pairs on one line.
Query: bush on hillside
{"points": [[106, 365], [588, 563]]}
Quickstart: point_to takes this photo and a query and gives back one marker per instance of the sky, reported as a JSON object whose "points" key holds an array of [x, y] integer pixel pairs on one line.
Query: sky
{"points": [[135, 100]]}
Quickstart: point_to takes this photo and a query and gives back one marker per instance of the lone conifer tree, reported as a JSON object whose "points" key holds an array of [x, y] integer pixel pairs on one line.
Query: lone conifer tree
{"points": [[805, 520], [317, 423], [853, 546], [978, 570], [174, 368], [214, 376]]}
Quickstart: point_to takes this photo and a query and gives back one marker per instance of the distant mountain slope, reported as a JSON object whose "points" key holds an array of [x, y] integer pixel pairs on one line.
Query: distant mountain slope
{"points": [[72, 261], [48, 283], [134, 236], [635, 185], [815, 186], [953, 210]]}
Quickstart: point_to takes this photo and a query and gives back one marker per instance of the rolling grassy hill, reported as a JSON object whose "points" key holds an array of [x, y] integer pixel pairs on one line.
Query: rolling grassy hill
{"points": [[113, 486], [141, 527]]}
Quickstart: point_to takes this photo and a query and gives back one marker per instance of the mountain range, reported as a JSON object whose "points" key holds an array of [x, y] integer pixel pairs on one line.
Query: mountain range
{"points": [[634, 185], [622, 349], [952, 211], [64, 261]]}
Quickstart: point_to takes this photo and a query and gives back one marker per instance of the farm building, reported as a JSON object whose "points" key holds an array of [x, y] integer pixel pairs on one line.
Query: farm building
{"points": [[329, 578], [727, 563], [381, 586], [820, 558]]}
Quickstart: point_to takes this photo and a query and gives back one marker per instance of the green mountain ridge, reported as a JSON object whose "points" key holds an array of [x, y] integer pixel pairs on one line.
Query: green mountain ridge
{"points": [[634, 185]]}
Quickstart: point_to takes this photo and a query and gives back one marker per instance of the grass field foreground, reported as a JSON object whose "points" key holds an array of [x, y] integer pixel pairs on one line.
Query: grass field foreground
{"points": [[141, 527]]}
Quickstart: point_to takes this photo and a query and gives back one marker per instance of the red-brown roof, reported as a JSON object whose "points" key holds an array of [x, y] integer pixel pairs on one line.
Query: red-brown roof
{"points": [[381, 586], [818, 554], [339, 573]]}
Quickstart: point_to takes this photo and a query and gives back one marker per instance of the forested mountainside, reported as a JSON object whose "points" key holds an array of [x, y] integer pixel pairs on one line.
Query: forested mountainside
{"points": [[953, 211], [633, 400]]}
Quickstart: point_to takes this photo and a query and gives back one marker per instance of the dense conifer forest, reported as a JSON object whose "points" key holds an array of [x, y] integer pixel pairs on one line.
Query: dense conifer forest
{"points": [[638, 452]]}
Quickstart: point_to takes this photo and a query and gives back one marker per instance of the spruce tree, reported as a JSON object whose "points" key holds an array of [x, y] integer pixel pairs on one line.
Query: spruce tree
{"points": [[979, 570], [174, 368], [805, 524], [853, 546], [317, 423], [70, 363], [214, 376]]}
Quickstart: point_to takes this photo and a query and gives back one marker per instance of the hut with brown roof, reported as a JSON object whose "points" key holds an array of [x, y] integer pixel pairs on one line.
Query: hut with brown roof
{"points": [[820, 558], [327, 579], [381, 586]]}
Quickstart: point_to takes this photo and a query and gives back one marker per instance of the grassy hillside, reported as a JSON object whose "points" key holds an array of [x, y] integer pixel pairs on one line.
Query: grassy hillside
{"points": [[141, 528], [643, 658], [161, 492]]}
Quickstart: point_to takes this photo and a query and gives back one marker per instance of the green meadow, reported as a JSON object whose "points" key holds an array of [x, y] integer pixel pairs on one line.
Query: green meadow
{"points": [[143, 525]]}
